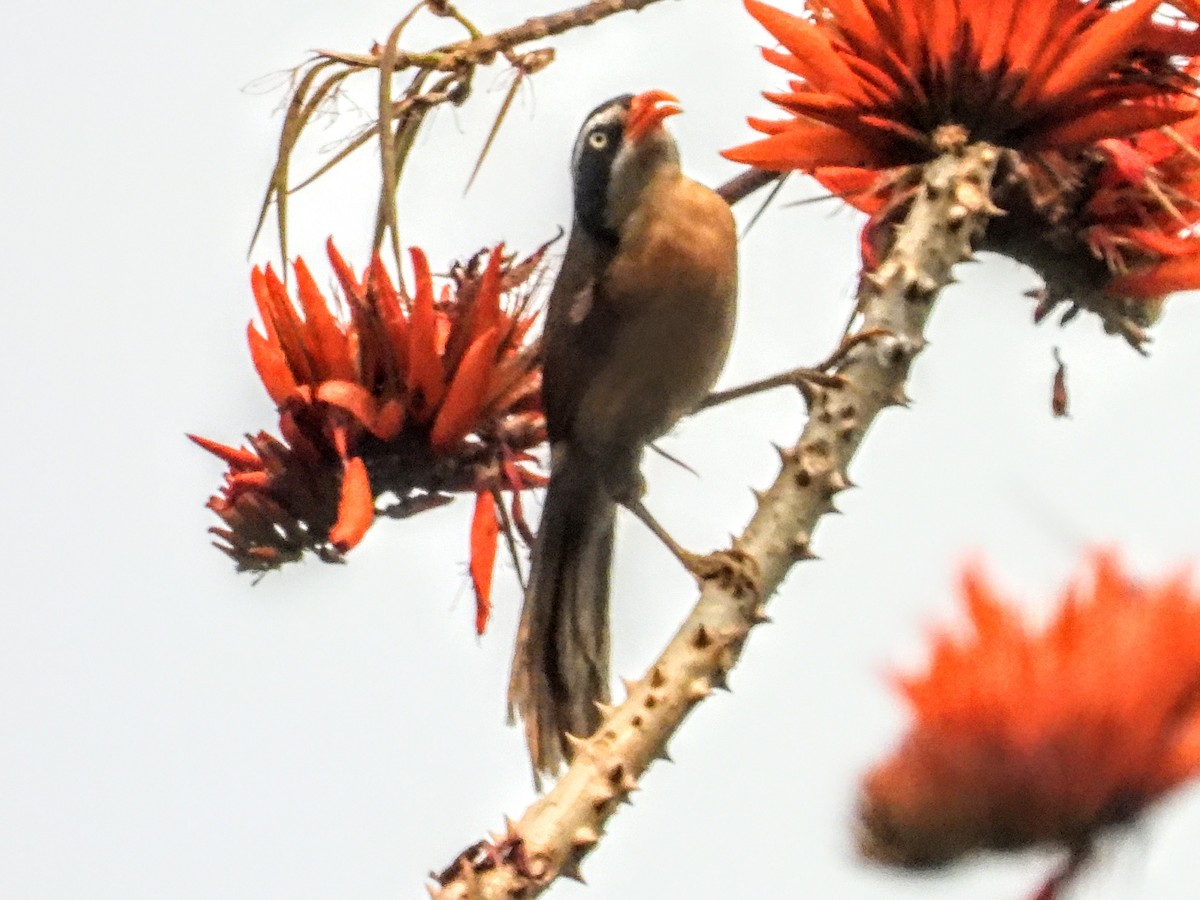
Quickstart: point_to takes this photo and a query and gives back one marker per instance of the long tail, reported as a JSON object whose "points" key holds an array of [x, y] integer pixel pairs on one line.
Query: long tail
{"points": [[560, 665]]}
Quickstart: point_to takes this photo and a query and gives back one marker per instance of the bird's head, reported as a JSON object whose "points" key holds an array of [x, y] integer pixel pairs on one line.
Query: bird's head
{"points": [[621, 147]]}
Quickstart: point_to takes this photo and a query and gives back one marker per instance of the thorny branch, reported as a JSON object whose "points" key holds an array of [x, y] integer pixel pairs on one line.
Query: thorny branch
{"points": [[949, 212], [443, 75]]}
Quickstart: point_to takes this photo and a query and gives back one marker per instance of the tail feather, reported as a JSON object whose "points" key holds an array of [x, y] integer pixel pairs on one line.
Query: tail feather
{"points": [[560, 665]]}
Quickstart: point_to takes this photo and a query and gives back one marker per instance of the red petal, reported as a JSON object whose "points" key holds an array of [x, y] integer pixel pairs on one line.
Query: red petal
{"points": [[785, 61], [941, 30], [911, 41], [828, 108], [809, 146], [287, 327], [1107, 122], [425, 374], [1172, 40], [356, 508], [486, 314], [238, 483], [770, 126], [996, 32], [238, 457], [464, 400], [379, 280], [443, 326], [345, 274], [815, 58], [484, 530], [855, 186], [272, 366], [326, 343], [353, 398], [1129, 162], [389, 420], [1162, 244], [262, 299], [1045, 42], [1182, 273], [1097, 51], [339, 438], [391, 313]]}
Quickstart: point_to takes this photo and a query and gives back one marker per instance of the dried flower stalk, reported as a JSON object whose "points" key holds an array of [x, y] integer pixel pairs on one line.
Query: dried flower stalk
{"points": [[442, 75]]}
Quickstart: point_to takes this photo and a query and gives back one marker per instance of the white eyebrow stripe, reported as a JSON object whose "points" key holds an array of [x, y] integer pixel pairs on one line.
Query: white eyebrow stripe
{"points": [[602, 117]]}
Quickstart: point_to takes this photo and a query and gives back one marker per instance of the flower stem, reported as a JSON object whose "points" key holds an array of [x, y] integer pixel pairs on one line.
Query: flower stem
{"points": [[1052, 889]]}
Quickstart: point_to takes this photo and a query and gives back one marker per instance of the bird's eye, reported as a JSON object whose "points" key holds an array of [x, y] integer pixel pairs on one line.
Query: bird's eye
{"points": [[598, 140]]}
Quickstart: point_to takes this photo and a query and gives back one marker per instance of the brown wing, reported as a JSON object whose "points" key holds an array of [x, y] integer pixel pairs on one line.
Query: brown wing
{"points": [[672, 292], [577, 334], [636, 335]]}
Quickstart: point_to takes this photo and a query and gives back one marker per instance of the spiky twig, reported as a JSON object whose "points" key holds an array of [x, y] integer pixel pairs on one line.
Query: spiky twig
{"points": [[949, 212]]}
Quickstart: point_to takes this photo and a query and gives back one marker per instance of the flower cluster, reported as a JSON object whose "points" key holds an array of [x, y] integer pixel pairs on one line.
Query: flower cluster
{"points": [[1147, 203], [878, 78], [415, 397], [1093, 103], [1026, 736]]}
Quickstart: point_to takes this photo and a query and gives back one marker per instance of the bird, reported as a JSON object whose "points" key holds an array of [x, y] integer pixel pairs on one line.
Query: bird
{"points": [[638, 326]]}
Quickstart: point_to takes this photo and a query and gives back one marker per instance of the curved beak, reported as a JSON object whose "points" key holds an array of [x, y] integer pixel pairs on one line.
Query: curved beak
{"points": [[646, 113]]}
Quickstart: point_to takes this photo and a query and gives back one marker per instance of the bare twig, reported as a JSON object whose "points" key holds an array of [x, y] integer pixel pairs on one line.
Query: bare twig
{"points": [[741, 186], [948, 213], [765, 205], [483, 50]]}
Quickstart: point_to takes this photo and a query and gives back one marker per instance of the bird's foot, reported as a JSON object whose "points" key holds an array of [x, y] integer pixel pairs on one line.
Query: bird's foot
{"points": [[803, 379], [734, 570]]}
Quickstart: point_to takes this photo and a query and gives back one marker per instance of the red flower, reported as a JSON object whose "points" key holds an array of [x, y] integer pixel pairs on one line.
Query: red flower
{"points": [[876, 79], [1142, 218], [1097, 199], [1025, 736], [413, 396], [1111, 229]]}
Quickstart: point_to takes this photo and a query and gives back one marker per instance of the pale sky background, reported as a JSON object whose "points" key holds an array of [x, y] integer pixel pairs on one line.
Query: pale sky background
{"points": [[171, 731]]}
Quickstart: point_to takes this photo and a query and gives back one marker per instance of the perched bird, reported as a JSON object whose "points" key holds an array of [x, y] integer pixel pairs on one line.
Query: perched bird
{"points": [[638, 327]]}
